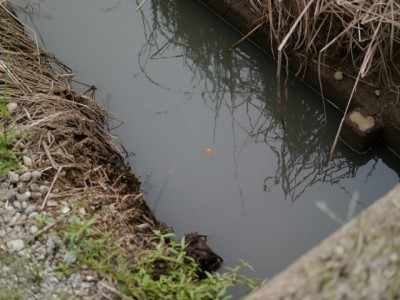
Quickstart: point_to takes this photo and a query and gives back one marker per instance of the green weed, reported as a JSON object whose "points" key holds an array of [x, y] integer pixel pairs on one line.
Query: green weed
{"points": [[8, 160], [11, 294], [165, 272]]}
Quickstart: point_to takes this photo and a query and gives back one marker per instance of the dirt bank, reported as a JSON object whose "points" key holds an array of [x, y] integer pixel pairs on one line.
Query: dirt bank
{"points": [[70, 207], [372, 97], [65, 134]]}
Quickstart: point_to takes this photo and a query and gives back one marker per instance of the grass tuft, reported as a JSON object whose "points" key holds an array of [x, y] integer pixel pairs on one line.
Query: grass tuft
{"points": [[163, 272], [8, 159]]}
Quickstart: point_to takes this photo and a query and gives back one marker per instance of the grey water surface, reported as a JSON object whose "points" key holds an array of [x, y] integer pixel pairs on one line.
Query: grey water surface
{"points": [[203, 125]]}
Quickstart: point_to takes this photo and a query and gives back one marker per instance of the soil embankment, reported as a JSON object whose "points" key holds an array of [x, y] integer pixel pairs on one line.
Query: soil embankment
{"points": [[371, 97], [73, 221]]}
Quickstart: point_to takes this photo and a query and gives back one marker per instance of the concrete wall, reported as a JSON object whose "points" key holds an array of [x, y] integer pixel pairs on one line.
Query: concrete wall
{"points": [[359, 261]]}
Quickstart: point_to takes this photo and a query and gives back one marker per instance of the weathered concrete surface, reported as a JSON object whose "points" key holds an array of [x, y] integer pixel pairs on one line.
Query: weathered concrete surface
{"points": [[359, 261], [384, 106]]}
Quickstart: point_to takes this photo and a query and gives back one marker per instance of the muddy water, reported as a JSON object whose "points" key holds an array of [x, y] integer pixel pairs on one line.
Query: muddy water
{"points": [[203, 125]]}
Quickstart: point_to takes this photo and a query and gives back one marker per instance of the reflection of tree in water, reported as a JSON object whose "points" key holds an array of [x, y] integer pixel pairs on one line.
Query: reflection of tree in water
{"points": [[303, 152], [234, 80]]}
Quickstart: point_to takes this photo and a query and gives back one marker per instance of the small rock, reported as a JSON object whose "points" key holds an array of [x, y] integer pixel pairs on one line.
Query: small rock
{"points": [[338, 75], [34, 186], [389, 272], [12, 106], [44, 189], [51, 203], [145, 227], [14, 219], [17, 205], [82, 211], [22, 197], [36, 174], [7, 219], [14, 177], [65, 209], [50, 245], [24, 205], [30, 209], [22, 217], [10, 211], [15, 245], [53, 240], [8, 196], [2, 233], [27, 161], [6, 269], [377, 93], [22, 253], [393, 257], [339, 251], [69, 257], [26, 176], [36, 195], [21, 187], [33, 229], [90, 278], [33, 215]]}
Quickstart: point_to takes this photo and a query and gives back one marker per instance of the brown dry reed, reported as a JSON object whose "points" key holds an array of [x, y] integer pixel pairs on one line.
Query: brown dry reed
{"points": [[366, 33], [65, 134], [363, 35]]}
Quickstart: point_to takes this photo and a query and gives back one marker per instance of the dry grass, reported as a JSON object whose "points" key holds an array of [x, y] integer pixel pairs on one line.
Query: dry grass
{"points": [[361, 37], [65, 133], [363, 32]]}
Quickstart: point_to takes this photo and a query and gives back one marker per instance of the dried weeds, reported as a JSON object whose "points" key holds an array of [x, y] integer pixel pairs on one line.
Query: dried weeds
{"points": [[363, 36], [65, 133]]}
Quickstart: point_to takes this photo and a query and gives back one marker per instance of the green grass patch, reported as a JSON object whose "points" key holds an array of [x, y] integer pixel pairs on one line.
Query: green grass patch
{"points": [[8, 160], [164, 272], [10, 295]]}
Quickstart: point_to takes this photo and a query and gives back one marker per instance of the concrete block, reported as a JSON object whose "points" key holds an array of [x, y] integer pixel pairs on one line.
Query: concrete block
{"points": [[360, 131]]}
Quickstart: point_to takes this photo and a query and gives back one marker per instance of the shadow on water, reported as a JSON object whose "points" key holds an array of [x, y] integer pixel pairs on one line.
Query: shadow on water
{"points": [[238, 81]]}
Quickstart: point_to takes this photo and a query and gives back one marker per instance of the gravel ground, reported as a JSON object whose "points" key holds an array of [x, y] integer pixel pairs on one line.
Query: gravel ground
{"points": [[29, 250]]}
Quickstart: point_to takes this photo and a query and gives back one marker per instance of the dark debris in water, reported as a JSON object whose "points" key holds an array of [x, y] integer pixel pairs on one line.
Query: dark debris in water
{"points": [[203, 255]]}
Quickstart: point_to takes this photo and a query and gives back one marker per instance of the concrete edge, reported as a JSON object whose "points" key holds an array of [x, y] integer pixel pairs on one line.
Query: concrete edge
{"points": [[351, 263]]}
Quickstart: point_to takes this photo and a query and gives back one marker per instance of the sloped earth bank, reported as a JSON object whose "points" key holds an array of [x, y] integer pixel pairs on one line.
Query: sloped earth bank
{"points": [[71, 166], [371, 97]]}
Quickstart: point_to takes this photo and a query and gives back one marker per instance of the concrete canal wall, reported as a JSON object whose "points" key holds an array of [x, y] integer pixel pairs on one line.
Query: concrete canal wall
{"points": [[359, 261]]}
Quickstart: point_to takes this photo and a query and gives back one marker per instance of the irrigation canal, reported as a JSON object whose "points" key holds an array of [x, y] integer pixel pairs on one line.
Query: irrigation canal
{"points": [[203, 125]]}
